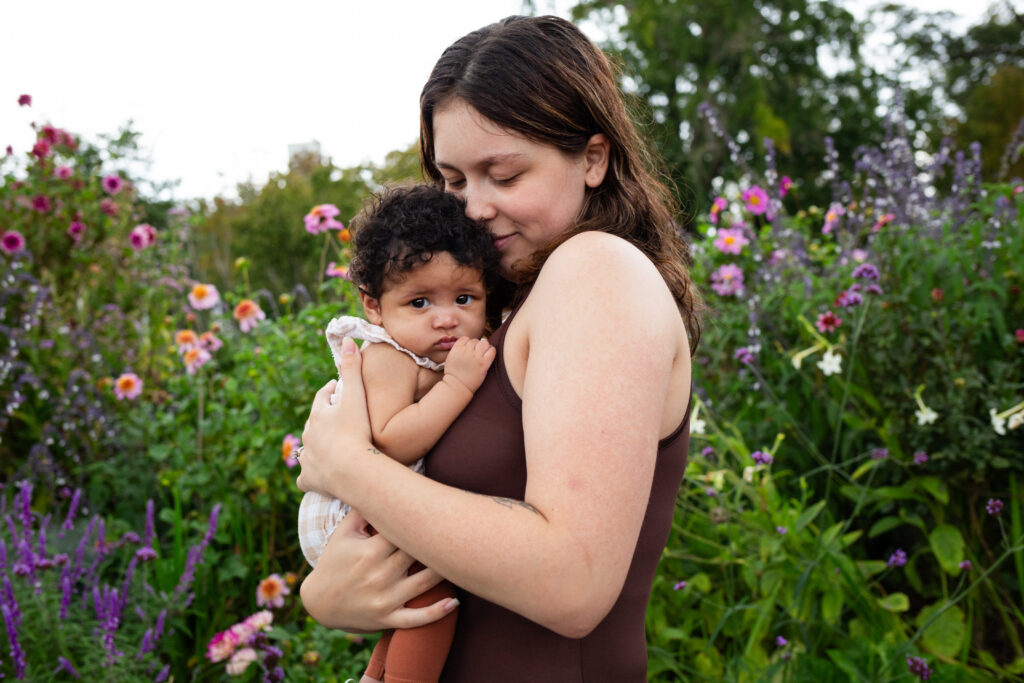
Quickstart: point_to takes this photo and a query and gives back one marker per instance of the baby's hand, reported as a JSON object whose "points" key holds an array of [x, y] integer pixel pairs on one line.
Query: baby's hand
{"points": [[468, 361]]}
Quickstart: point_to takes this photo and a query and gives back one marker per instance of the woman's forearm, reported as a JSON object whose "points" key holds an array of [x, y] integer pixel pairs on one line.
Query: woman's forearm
{"points": [[505, 551]]}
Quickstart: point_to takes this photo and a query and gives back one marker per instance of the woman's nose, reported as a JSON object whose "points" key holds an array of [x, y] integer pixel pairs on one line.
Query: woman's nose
{"points": [[478, 204]]}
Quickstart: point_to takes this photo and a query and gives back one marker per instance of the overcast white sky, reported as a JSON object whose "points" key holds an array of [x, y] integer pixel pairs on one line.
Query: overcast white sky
{"points": [[219, 89]]}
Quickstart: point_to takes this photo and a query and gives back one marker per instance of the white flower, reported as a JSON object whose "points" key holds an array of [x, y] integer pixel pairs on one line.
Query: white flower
{"points": [[240, 661], [697, 425], [830, 364], [998, 423], [748, 474], [925, 416], [717, 479], [1016, 420]]}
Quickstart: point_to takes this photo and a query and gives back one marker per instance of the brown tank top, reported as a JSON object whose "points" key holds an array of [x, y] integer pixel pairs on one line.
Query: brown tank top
{"points": [[483, 452]]}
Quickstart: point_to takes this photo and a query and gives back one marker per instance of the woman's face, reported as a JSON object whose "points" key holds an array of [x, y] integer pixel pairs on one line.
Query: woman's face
{"points": [[525, 192]]}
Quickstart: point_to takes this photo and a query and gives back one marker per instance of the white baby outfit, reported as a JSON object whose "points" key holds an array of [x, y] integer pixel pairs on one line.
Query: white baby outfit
{"points": [[320, 515]]}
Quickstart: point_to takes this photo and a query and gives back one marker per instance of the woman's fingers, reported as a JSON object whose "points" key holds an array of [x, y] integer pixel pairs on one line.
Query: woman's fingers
{"points": [[353, 396], [412, 617]]}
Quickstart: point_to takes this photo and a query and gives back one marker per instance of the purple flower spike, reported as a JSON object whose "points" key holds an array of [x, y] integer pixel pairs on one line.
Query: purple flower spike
{"points": [[65, 665], [147, 534], [69, 521], [994, 507], [897, 559], [919, 667]]}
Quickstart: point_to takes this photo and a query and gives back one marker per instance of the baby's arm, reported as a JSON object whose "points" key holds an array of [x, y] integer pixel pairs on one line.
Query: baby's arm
{"points": [[405, 428]]}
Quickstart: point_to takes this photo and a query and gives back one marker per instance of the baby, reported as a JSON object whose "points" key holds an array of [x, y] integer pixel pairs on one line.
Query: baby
{"points": [[423, 270]]}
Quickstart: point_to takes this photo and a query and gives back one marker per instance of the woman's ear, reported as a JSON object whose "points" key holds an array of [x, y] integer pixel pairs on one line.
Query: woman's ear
{"points": [[371, 307], [596, 155]]}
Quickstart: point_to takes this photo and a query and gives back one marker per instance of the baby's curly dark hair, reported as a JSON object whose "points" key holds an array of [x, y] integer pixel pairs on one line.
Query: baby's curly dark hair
{"points": [[403, 227]]}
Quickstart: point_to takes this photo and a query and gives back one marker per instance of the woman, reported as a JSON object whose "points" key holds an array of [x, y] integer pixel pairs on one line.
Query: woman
{"points": [[577, 438]]}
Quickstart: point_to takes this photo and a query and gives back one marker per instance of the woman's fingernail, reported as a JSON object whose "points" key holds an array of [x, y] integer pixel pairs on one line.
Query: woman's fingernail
{"points": [[451, 604], [348, 347]]}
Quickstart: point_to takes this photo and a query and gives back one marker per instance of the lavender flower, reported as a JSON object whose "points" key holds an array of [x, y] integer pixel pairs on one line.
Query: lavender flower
{"points": [[780, 641], [744, 355], [17, 654], [897, 559], [849, 298], [879, 454], [965, 565], [994, 507], [762, 458], [919, 667], [865, 271], [65, 665], [920, 458], [69, 521], [782, 530]]}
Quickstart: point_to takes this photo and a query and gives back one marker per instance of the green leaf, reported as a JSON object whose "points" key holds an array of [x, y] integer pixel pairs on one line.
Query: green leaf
{"points": [[895, 602], [701, 582], [808, 515], [945, 635], [948, 546], [883, 525], [831, 605], [936, 487], [845, 664]]}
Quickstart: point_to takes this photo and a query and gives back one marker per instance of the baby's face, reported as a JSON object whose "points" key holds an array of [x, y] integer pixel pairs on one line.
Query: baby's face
{"points": [[434, 305]]}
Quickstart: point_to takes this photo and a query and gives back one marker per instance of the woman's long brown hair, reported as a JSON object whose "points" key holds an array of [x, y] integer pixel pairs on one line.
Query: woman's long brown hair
{"points": [[542, 78]]}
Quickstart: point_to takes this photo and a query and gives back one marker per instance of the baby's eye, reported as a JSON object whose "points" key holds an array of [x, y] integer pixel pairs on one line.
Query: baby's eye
{"points": [[463, 299], [420, 302]]}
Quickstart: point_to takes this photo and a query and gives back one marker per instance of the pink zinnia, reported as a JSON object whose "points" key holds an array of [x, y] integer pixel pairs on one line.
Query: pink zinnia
{"points": [[203, 297], [727, 280], [195, 358], [322, 218], [336, 271], [717, 207], [112, 184], [64, 172], [41, 203], [75, 231], [828, 322], [25, 101], [288, 447], [248, 314], [12, 241], [210, 342], [757, 200], [785, 185], [186, 340], [731, 240], [271, 591], [127, 386]]}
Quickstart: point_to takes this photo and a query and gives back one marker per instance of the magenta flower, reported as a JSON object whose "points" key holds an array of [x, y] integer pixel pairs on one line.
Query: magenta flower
{"points": [[1019, 334], [64, 172], [127, 386], [757, 200], [920, 458], [785, 185], [994, 507], [965, 565], [337, 271], [744, 355], [848, 298], [41, 149], [108, 206], [221, 646], [203, 297], [41, 203], [142, 236], [832, 217], [289, 445], [731, 241], [717, 207], [828, 322], [195, 358], [25, 101], [897, 559], [12, 241], [76, 230], [112, 184], [727, 280], [322, 218], [679, 586]]}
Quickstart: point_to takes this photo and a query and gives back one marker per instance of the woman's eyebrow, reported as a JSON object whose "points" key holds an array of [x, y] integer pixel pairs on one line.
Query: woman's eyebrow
{"points": [[486, 162]]}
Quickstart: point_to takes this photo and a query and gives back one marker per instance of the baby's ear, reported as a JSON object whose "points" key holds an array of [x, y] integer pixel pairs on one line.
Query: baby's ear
{"points": [[371, 307]]}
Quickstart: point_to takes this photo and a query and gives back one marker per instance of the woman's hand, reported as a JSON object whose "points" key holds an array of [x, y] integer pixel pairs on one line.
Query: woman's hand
{"points": [[361, 583], [334, 435]]}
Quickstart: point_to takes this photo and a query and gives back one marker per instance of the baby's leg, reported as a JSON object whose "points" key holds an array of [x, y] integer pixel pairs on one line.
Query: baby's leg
{"points": [[375, 669], [417, 655], [319, 516]]}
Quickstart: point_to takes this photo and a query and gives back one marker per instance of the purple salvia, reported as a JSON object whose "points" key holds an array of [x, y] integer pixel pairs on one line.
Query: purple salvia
{"points": [[65, 665], [65, 594], [42, 538], [1012, 151], [162, 676], [188, 573], [17, 655], [3, 555], [140, 613], [82, 543], [26, 509], [146, 645], [69, 521], [212, 528], [129, 572]]}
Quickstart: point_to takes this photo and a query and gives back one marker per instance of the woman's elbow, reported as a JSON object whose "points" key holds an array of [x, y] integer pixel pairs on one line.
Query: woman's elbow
{"points": [[578, 621]]}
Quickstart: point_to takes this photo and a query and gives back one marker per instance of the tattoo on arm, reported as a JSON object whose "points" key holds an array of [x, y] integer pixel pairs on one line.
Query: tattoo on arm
{"points": [[373, 450], [511, 503]]}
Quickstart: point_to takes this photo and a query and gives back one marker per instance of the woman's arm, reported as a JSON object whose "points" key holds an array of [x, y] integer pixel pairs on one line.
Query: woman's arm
{"points": [[592, 410]]}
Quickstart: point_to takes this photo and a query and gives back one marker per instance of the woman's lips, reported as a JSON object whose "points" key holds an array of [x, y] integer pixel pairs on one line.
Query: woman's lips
{"points": [[500, 242]]}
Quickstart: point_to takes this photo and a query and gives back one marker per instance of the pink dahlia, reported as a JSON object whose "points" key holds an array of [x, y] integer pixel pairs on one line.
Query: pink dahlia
{"points": [[127, 386], [221, 646], [108, 206], [248, 314], [76, 230], [210, 342], [41, 149], [112, 184], [195, 358], [12, 241], [321, 218], [288, 448], [203, 297], [757, 200], [731, 241], [41, 203], [64, 172], [142, 236], [271, 591], [727, 280]]}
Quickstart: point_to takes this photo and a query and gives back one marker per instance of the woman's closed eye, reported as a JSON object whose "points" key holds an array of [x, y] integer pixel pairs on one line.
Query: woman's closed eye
{"points": [[507, 180], [452, 184]]}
